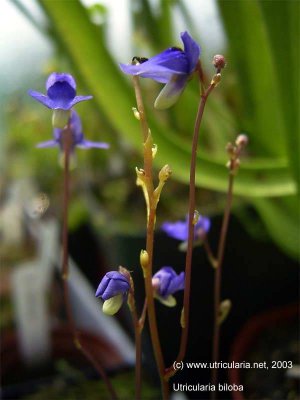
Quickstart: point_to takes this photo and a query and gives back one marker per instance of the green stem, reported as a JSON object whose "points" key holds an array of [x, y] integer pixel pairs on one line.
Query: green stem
{"points": [[148, 165], [67, 143]]}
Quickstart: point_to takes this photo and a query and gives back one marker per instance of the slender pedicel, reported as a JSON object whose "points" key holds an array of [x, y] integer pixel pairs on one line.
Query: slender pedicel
{"points": [[188, 265], [233, 165]]}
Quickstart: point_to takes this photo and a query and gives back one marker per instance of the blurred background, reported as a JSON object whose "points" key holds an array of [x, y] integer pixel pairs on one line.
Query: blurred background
{"points": [[258, 95]]}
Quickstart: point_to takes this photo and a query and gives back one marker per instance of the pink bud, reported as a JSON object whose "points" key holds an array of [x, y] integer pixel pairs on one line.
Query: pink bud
{"points": [[219, 62]]}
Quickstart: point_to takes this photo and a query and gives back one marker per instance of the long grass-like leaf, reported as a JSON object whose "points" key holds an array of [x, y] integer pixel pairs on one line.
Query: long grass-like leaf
{"points": [[84, 45]]}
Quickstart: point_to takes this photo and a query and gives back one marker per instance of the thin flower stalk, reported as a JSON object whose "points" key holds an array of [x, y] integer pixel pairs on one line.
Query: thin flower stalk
{"points": [[151, 216], [233, 165], [67, 142], [138, 341], [188, 264], [218, 279]]}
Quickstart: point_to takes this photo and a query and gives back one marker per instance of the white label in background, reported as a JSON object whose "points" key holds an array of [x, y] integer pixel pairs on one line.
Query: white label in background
{"points": [[31, 313]]}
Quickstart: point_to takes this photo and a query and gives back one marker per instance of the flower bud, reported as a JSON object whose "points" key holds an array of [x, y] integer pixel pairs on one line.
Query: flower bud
{"points": [[196, 217], [113, 289], [230, 149], [219, 62], [242, 140], [165, 283], [140, 172], [224, 310], [144, 259], [237, 164], [165, 173], [136, 113]]}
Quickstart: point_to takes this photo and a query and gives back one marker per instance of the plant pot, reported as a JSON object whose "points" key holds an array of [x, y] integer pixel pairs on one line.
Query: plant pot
{"points": [[269, 339]]}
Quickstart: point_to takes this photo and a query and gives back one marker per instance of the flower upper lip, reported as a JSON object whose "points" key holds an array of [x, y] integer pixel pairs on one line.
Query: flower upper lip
{"points": [[112, 284], [61, 92]]}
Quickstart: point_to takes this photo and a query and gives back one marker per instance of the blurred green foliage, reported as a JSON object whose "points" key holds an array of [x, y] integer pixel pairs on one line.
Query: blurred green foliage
{"points": [[257, 95]]}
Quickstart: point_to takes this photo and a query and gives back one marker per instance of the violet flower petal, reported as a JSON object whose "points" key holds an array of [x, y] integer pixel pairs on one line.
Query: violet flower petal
{"points": [[61, 92], [60, 77], [177, 230], [87, 144], [202, 226], [112, 284], [177, 283], [77, 136], [172, 67], [169, 281], [48, 143], [102, 286], [160, 67], [78, 99], [114, 287], [191, 49], [41, 98], [171, 92]]}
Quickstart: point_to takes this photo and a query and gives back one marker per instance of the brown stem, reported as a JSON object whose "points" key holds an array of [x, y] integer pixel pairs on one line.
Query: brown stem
{"points": [[148, 164], [201, 77], [218, 278], [67, 143], [212, 259], [138, 342], [188, 263], [138, 360], [143, 315]]}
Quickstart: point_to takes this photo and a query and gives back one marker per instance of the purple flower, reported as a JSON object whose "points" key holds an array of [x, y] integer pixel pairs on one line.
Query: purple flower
{"points": [[179, 229], [78, 139], [172, 67], [61, 92], [113, 289], [165, 283]]}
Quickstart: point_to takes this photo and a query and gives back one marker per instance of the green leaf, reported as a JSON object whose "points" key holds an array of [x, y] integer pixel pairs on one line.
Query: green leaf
{"points": [[251, 54], [85, 46], [286, 63], [283, 226]]}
